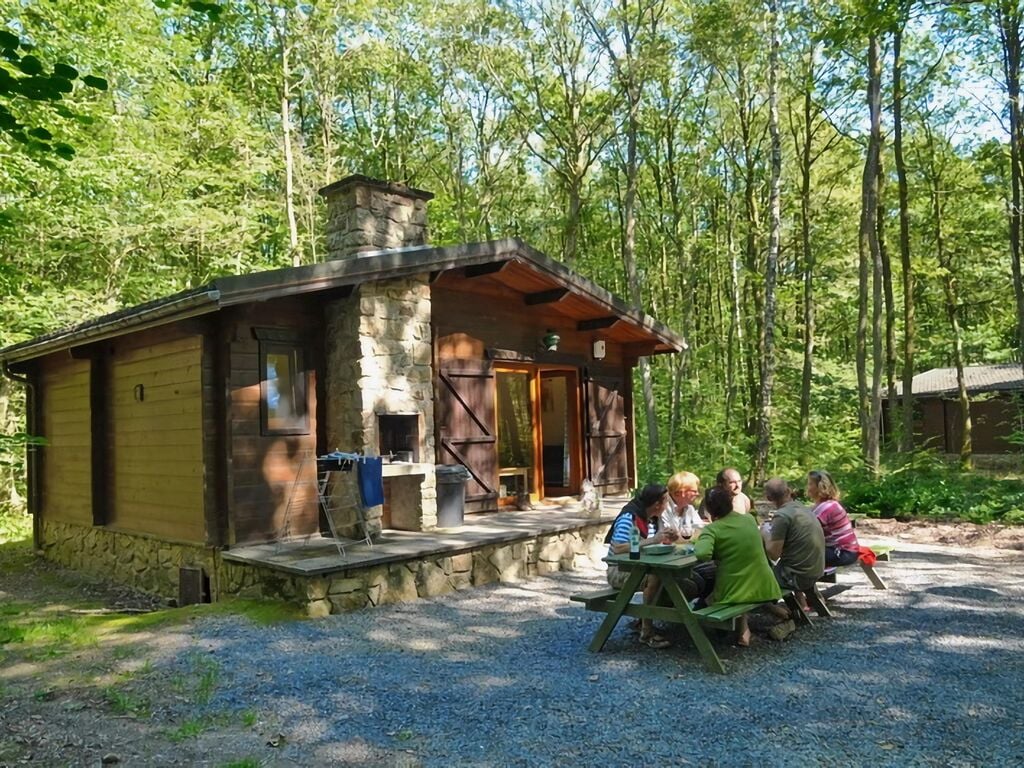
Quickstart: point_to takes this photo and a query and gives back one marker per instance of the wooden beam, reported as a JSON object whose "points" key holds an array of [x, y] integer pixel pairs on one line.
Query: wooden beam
{"points": [[481, 270], [545, 297], [597, 323]]}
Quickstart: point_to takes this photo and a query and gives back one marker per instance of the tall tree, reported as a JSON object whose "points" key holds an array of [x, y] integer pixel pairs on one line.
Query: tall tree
{"points": [[907, 269], [1010, 20], [637, 25], [764, 425]]}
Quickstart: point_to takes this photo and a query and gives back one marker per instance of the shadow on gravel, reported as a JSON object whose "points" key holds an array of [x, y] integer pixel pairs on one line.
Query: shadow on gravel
{"points": [[980, 594]]}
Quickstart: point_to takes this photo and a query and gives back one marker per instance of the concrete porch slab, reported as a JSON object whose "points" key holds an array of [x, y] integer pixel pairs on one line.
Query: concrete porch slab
{"points": [[318, 556]]}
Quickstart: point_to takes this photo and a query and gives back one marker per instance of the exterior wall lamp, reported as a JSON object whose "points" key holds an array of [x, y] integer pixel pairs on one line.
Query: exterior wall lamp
{"points": [[550, 341]]}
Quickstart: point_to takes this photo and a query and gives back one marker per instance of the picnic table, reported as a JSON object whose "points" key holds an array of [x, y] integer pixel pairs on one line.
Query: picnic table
{"points": [[671, 569]]}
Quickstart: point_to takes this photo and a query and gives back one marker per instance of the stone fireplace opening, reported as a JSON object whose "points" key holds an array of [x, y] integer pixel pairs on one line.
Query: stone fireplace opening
{"points": [[398, 435]]}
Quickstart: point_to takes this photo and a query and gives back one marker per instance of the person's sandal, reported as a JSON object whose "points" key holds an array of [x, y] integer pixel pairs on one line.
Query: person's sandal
{"points": [[654, 641]]}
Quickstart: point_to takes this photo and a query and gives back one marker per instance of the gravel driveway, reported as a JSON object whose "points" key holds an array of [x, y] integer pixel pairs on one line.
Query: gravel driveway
{"points": [[928, 673]]}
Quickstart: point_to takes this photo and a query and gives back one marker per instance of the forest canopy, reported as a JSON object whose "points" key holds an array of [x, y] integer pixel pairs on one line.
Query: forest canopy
{"points": [[819, 196]]}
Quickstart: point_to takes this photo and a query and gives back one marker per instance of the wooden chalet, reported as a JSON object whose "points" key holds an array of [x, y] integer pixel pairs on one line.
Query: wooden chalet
{"points": [[181, 434], [997, 408]]}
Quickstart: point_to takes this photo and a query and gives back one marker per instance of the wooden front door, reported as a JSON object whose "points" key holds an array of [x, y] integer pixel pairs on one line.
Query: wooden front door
{"points": [[606, 432], [466, 427]]}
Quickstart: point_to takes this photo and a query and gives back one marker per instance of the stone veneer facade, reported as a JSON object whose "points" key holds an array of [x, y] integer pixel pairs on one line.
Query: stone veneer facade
{"points": [[379, 348], [379, 361], [152, 565]]}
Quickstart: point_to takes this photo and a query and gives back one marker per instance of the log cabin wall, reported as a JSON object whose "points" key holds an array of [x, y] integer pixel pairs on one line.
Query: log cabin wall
{"points": [[156, 471], [65, 462], [262, 467]]}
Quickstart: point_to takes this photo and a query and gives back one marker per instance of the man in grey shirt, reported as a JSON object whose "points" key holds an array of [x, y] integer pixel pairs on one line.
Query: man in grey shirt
{"points": [[793, 540]]}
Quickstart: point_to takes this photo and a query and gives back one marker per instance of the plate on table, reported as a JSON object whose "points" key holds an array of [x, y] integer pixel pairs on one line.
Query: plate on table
{"points": [[659, 549]]}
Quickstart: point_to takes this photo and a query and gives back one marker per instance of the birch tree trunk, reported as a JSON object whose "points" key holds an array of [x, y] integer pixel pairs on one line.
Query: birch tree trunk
{"points": [[909, 320], [289, 161], [764, 430]]}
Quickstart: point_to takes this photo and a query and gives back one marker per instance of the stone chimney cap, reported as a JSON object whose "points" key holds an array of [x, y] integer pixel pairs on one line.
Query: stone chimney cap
{"points": [[391, 187]]}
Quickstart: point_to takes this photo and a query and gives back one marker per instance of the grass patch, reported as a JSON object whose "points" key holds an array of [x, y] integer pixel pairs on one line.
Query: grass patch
{"points": [[196, 726], [245, 762], [249, 718], [125, 703]]}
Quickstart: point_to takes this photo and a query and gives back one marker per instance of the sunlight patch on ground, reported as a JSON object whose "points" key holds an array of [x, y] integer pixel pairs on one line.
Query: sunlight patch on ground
{"points": [[962, 642]]}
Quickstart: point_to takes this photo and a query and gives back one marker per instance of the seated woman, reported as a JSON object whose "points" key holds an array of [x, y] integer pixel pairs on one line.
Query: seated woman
{"points": [[680, 515], [643, 512], [733, 541], [841, 545]]}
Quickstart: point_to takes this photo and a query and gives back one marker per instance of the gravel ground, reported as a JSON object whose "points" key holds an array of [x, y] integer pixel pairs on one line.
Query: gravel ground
{"points": [[928, 673]]}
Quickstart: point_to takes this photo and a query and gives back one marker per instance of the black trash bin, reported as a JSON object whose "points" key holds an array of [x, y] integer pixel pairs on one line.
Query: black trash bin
{"points": [[451, 494]]}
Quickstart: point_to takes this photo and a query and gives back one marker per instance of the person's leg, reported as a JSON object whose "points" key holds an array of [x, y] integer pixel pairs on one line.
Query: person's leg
{"points": [[742, 632], [651, 586], [835, 557]]}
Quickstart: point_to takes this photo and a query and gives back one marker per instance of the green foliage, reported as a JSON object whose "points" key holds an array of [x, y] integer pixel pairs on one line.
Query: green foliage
{"points": [[24, 79], [929, 488]]}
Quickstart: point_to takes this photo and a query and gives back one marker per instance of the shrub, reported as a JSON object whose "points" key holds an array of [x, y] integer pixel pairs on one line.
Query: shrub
{"points": [[924, 486]]}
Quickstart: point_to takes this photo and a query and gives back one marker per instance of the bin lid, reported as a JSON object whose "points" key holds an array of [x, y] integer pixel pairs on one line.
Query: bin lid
{"points": [[452, 471]]}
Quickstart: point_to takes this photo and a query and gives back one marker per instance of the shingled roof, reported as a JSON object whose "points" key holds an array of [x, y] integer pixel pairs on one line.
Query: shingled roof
{"points": [[514, 264], [979, 378]]}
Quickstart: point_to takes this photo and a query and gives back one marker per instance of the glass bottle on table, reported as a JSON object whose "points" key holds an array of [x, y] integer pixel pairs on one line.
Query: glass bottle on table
{"points": [[634, 543]]}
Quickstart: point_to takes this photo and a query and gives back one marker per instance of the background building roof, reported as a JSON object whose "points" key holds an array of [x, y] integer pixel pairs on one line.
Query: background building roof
{"points": [[979, 378]]}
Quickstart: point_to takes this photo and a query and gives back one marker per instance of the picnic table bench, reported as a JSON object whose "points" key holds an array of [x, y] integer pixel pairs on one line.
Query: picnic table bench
{"points": [[671, 605], [882, 553]]}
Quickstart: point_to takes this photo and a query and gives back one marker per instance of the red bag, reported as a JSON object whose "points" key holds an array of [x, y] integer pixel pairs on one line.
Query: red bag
{"points": [[867, 556]]}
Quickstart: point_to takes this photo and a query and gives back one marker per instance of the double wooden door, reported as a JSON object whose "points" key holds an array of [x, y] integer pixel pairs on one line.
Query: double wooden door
{"points": [[531, 430]]}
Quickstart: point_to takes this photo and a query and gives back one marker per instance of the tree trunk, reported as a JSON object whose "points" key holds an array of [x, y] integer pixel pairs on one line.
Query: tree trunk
{"points": [[952, 313], [289, 162], [808, 276], [764, 431], [870, 258], [892, 407], [909, 320], [1009, 16]]}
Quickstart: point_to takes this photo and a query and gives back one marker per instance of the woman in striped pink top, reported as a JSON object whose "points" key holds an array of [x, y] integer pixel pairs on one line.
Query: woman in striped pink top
{"points": [[841, 546]]}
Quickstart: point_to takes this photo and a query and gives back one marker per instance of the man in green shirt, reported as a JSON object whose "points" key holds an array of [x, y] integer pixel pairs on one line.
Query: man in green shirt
{"points": [[793, 540]]}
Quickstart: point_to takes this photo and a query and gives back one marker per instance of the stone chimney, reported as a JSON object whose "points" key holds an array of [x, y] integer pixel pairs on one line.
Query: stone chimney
{"points": [[365, 214]]}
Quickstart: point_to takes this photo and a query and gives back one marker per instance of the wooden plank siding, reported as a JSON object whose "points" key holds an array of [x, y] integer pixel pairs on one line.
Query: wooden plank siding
{"points": [[156, 464], [66, 465], [262, 469], [479, 330]]}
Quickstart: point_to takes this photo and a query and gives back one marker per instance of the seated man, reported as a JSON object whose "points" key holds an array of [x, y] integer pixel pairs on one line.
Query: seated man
{"points": [[794, 539], [641, 512]]}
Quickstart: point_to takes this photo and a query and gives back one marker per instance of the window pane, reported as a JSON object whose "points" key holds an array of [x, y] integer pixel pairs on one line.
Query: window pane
{"points": [[515, 420], [284, 391]]}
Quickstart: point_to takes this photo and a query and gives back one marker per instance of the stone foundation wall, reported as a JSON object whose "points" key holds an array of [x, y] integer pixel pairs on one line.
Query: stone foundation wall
{"points": [[152, 565], [428, 576], [137, 560]]}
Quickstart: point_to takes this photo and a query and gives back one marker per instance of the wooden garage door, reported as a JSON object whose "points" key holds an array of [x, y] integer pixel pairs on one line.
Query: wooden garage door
{"points": [[466, 427]]}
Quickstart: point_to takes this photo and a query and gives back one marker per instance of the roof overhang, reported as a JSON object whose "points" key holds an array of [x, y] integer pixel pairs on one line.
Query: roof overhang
{"points": [[510, 264]]}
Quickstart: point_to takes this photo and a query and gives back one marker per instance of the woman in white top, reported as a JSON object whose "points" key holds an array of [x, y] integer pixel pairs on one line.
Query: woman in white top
{"points": [[680, 515]]}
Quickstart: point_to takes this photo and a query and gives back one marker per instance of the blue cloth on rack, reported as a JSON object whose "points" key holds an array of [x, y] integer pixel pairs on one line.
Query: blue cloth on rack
{"points": [[370, 474]]}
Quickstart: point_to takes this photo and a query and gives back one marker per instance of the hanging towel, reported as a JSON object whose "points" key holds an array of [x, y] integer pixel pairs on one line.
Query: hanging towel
{"points": [[371, 480]]}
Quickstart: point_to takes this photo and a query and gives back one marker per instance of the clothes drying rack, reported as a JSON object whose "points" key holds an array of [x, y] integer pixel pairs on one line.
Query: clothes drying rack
{"points": [[334, 496]]}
